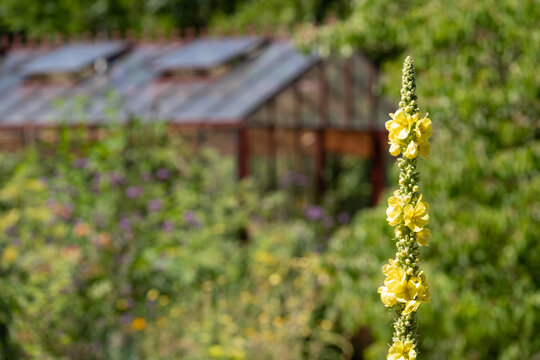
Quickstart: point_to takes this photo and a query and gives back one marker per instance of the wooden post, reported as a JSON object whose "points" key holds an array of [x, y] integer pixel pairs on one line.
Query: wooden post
{"points": [[243, 152], [320, 153], [272, 158]]}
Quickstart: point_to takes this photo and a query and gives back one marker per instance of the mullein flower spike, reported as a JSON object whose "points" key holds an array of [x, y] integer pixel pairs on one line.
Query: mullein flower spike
{"points": [[405, 286]]}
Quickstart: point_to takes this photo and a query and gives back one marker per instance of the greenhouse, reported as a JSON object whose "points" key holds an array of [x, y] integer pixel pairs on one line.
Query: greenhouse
{"points": [[277, 111]]}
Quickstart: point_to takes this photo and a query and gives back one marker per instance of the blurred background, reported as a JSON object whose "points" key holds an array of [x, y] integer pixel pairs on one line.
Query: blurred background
{"points": [[208, 179]]}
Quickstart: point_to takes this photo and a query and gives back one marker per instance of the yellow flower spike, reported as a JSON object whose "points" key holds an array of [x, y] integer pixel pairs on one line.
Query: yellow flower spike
{"points": [[402, 351], [423, 237], [405, 286], [416, 217]]}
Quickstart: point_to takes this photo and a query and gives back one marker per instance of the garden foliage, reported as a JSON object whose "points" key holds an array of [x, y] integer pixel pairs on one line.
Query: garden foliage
{"points": [[136, 248], [478, 66]]}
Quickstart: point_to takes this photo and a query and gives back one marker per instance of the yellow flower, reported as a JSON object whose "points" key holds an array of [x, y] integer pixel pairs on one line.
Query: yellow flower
{"points": [[400, 125], [138, 324], [412, 151], [388, 298], [417, 292], [216, 351], [423, 237], [402, 351], [423, 128], [274, 279], [423, 133], [395, 284], [152, 295], [394, 210], [416, 217], [395, 148], [398, 130], [9, 255]]}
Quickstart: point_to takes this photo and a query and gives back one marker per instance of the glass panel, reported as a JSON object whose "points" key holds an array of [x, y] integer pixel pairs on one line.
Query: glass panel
{"points": [[335, 92], [363, 109], [206, 53], [308, 87], [73, 57]]}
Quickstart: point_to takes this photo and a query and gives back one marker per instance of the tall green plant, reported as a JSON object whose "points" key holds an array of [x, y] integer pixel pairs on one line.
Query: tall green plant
{"points": [[405, 286]]}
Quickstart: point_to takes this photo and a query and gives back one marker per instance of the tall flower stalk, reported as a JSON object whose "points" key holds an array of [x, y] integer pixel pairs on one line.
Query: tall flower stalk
{"points": [[405, 286]]}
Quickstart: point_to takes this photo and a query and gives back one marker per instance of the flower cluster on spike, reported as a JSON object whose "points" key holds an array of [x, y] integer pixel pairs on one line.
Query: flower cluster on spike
{"points": [[405, 286]]}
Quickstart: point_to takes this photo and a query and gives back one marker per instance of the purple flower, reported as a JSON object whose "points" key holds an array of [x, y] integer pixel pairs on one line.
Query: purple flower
{"points": [[168, 226], [134, 191], [191, 219], [344, 217], [126, 318], [314, 213], [117, 179], [155, 205], [146, 176], [301, 180], [80, 163], [96, 182], [162, 174], [125, 224]]}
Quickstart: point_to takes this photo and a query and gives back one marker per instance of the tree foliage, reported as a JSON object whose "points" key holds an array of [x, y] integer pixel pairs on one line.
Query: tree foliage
{"points": [[477, 72], [74, 17]]}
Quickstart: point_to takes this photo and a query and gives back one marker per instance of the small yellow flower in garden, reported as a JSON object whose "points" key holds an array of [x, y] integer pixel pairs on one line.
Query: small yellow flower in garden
{"points": [[412, 151], [305, 331], [9, 255], [395, 284], [423, 129], [161, 322], [416, 217], [215, 351], [278, 321], [417, 292], [175, 312], [395, 148], [423, 237], [326, 325], [400, 125], [263, 318], [164, 300], [9, 219], [274, 279], [250, 332], [138, 324], [237, 354], [34, 185], [152, 295], [388, 298], [122, 304], [394, 210], [402, 351]]}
